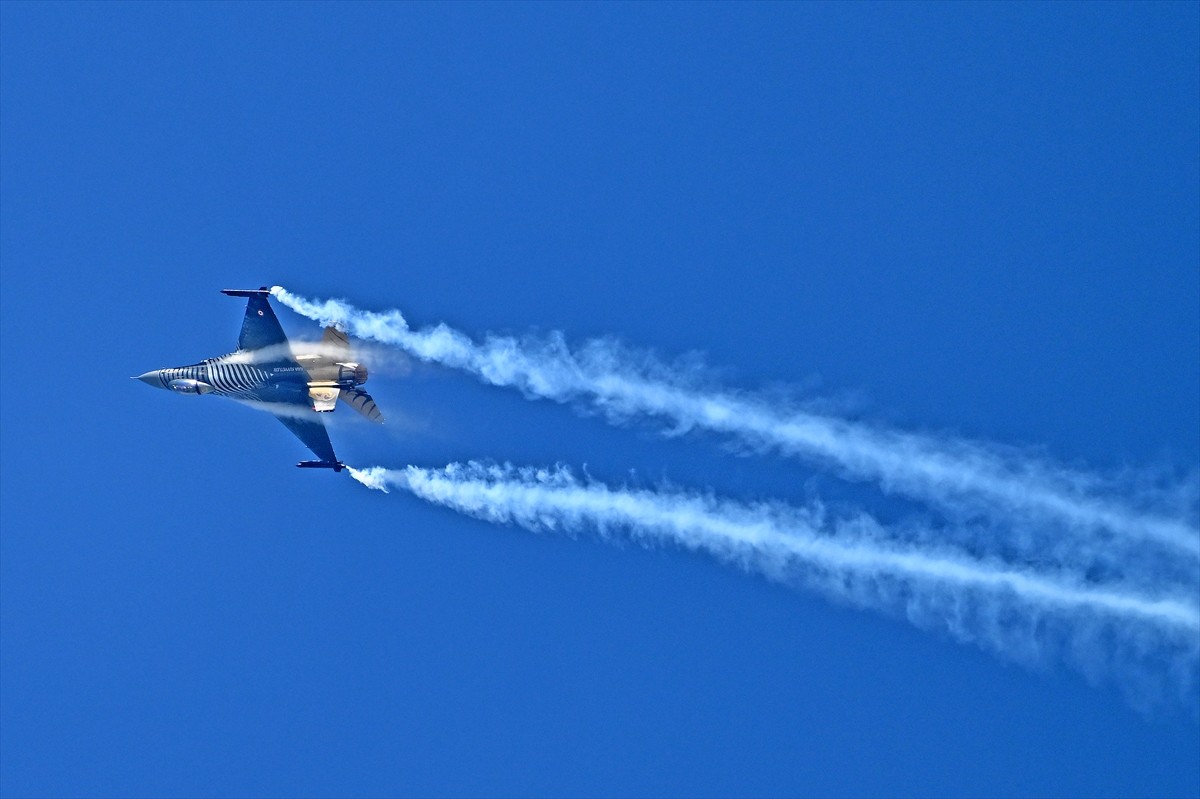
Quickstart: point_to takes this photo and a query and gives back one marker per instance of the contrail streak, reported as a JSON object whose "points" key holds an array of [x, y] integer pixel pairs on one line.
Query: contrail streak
{"points": [[1015, 610], [966, 479]]}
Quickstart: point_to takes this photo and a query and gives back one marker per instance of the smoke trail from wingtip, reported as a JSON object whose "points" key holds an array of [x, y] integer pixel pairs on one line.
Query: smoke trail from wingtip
{"points": [[375, 477], [966, 479], [1016, 610]]}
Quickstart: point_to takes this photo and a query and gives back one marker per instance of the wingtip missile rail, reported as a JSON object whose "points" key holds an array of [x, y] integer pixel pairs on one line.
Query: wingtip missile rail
{"points": [[337, 466], [247, 292]]}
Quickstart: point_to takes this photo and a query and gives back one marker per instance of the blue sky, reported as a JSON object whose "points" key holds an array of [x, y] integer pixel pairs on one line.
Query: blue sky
{"points": [[980, 219]]}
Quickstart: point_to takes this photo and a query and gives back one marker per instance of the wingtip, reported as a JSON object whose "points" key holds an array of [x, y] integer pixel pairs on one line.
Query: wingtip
{"points": [[337, 466], [245, 292]]}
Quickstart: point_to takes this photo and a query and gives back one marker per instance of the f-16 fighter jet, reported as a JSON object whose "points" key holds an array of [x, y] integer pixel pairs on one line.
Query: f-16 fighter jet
{"points": [[296, 386]]}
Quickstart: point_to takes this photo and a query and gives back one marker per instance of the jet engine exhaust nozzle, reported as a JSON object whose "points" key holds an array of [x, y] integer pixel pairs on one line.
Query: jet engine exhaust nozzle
{"points": [[351, 374]]}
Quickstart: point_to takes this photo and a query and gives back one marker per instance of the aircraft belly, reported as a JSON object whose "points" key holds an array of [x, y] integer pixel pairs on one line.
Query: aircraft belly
{"points": [[234, 379], [284, 393]]}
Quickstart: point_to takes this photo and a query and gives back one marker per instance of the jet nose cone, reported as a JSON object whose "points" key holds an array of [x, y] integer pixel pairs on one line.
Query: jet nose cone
{"points": [[150, 378]]}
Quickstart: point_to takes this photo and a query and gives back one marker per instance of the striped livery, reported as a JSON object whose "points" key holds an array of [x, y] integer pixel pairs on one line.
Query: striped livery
{"points": [[295, 386], [228, 375]]}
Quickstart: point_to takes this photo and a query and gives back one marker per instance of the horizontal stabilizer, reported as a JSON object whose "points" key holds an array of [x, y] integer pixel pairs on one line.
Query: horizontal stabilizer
{"points": [[337, 466], [361, 401], [336, 339], [246, 292]]}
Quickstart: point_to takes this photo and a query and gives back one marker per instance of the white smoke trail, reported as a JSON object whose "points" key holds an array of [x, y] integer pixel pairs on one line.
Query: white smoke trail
{"points": [[1106, 629], [966, 479]]}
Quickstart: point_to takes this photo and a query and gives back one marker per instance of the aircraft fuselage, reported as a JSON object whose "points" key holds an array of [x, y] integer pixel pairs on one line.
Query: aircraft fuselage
{"points": [[243, 376]]}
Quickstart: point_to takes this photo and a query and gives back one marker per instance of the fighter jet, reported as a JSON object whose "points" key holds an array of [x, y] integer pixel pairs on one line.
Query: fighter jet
{"points": [[296, 386]]}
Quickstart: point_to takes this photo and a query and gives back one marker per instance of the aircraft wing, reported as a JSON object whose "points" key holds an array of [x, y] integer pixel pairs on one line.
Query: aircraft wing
{"points": [[312, 433], [260, 328]]}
